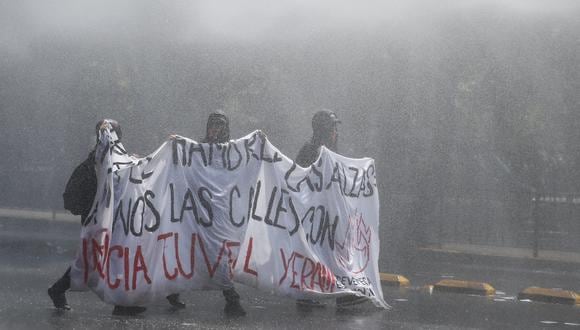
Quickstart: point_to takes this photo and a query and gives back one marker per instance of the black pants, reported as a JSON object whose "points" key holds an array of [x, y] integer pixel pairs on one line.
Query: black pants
{"points": [[231, 295], [63, 283]]}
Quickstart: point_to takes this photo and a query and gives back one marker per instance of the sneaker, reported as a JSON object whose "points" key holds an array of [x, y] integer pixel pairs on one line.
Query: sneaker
{"points": [[309, 303], [128, 310], [175, 302], [234, 309], [350, 301], [58, 299]]}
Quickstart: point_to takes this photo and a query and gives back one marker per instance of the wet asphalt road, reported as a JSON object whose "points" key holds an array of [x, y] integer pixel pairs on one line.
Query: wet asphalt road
{"points": [[33, 254]]}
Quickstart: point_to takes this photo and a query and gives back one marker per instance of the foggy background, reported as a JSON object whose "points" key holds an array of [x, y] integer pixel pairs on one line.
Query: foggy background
{"points": [[470, 108]]}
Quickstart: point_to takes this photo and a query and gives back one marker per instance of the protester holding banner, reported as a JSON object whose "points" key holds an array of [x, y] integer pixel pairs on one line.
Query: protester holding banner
{"points": [[324, 133], [78, 199], [218, 131]]}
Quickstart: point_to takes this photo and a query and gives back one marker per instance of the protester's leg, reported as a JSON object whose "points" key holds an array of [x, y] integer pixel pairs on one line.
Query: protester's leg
{"points": [[57, 291], [175, 301], [233, 306]]}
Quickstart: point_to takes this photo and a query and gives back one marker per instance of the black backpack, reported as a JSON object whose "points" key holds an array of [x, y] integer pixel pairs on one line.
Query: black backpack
{"points": [[81, 188]]}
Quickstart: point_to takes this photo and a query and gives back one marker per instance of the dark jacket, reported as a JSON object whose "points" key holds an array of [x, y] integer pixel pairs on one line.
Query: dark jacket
{"points": [[81, 188], [307, 154], [323, 123]]}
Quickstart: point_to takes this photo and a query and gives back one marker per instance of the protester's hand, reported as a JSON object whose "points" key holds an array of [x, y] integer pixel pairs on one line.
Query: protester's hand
{"points": [[172, 136]]}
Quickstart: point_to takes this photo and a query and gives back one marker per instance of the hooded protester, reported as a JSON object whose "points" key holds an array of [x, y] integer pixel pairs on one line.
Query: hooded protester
{"points": [[78, 199], [218, 131], [324, 133], [217, 128]]}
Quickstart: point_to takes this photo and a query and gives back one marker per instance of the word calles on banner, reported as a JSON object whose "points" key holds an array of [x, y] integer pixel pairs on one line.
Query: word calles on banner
{"points": [[202, 216]]}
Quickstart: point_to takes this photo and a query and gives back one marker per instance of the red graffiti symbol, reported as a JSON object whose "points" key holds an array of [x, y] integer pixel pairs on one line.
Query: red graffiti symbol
{"points": [[354, 252]]}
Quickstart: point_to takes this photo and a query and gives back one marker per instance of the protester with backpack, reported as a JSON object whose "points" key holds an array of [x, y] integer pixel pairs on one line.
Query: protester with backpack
{"points": [[78, 199]]}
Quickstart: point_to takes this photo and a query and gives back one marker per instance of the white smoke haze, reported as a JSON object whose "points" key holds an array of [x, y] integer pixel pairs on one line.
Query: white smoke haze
{"points": [[448, 96], [248, 21]]}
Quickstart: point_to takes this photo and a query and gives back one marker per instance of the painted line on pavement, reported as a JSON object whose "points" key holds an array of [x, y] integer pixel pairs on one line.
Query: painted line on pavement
{"points": [[38, 215]]}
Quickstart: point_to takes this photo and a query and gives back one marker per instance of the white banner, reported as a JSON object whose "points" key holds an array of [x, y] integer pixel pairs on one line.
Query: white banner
{"points": [[202, 216]]}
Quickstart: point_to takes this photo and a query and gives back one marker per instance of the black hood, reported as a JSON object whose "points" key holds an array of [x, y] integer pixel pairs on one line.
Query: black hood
{"points": [[218, 116], [323, 124]]}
